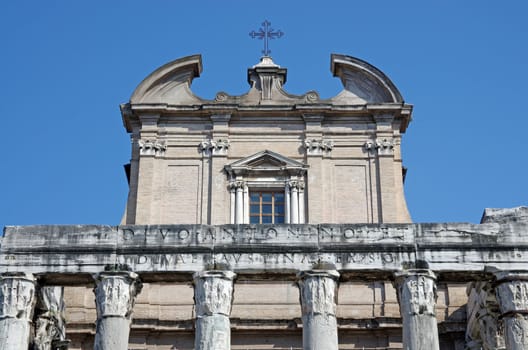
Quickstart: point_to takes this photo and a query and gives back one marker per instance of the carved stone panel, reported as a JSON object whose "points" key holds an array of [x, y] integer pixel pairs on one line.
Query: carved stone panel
{"points": [[50, 330]]}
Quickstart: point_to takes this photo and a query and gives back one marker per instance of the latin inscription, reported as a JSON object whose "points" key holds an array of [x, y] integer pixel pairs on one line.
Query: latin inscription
{"points": [[198, 235]]}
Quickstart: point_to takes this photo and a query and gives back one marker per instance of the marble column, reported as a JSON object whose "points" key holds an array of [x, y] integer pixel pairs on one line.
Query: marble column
{"points": [[213, 295], [115, 294], [287, 205], [512, 295], [239, 211], [50, 329], [301, 203], [318, 289], [17, 294], [417, 297], [294, 202]]}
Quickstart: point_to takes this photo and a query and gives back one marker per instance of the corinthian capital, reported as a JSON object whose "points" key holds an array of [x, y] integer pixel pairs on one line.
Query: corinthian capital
{"points": [[213, 292], [318, 292], [17, 294], [152, 148], [214, 147], [316, 147], [115, 293], [417, 292], [380, 146]]}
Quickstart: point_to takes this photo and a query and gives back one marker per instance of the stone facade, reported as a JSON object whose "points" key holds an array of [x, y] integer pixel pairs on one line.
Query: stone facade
{"points": [[267, 221]]}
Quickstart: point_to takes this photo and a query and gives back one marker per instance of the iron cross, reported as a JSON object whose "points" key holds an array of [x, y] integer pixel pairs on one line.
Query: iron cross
{"points": [[266, 33]]}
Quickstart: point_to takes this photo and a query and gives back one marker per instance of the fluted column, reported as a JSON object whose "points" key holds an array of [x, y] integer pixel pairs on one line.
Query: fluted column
{"points": [[287, 209], [318, 302], [213, 295], [417, 297], [301, 203], [115, 294], [512, 295], [17, 294]]}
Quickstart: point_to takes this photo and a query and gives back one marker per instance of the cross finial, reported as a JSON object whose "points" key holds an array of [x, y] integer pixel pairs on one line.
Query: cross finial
{"points": [[266, 33]]}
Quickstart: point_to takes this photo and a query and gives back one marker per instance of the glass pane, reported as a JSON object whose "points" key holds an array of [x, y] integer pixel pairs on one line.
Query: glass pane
{"points": [[266, 219], [254, 209], [254, 197], [266, 208], [266, 197], [279, 219], [253, 219], [279, 209], [279, 197]]}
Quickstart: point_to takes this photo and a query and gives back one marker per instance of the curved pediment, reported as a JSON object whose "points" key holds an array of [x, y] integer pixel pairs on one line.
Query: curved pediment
{"points": [[362, 82], [171, 83], [266, 161]]}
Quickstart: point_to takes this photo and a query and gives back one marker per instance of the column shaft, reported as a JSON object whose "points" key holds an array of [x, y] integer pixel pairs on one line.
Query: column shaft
{"points": [[318, 301], [417, 297], [287, 209], [232, 200], [246, 204], [301, 206], [17, 293], [115, 294], [512, 295], [213, 295], [239, 205], [294, 205]]}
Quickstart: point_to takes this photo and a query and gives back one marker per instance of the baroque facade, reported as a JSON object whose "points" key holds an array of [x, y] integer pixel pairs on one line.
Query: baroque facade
{"points": [[267, 221]]}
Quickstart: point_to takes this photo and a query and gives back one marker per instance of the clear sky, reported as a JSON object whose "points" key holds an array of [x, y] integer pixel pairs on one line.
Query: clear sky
{"points": [[67, 65]]}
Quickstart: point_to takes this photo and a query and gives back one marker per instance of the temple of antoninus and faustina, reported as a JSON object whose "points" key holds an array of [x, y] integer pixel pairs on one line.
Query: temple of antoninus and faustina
{"points": [[267, 221]]}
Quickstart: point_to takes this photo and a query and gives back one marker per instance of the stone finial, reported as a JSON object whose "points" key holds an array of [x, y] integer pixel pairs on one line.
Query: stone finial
{"points": [[152, 148], [214, 147]]}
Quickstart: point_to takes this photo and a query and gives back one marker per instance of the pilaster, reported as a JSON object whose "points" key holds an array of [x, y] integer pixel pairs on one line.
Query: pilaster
{"points": [[416, 291], [115, 294], [512, 295], [318, 290], [213, 296], [17, 294]]}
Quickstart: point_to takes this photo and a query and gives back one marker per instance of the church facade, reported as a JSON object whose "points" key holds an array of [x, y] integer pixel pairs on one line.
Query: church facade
{"points": [[267, 221]]}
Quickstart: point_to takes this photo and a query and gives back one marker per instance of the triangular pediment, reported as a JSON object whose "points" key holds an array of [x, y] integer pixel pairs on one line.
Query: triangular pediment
{"points": [[267, 161]]}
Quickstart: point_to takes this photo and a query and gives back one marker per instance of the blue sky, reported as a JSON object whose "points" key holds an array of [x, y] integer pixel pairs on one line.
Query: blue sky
{"points": [[67, 65]]}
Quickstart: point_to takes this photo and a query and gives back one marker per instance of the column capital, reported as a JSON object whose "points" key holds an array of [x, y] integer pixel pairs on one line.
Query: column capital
{"points": [[211, 147], [18, 295], [417, 291], [318, 291], [213, 292], [512, 291], [115, 293]]}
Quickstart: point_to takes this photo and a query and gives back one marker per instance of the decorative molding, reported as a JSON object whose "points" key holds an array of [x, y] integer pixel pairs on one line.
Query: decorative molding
{"points": [[213, 292], [214, 147], [237, 185], [382, 147], [17, 294], [296, 185], [318, 292], [317, 147], [417, 292], [115, 293], [152, 148]]}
